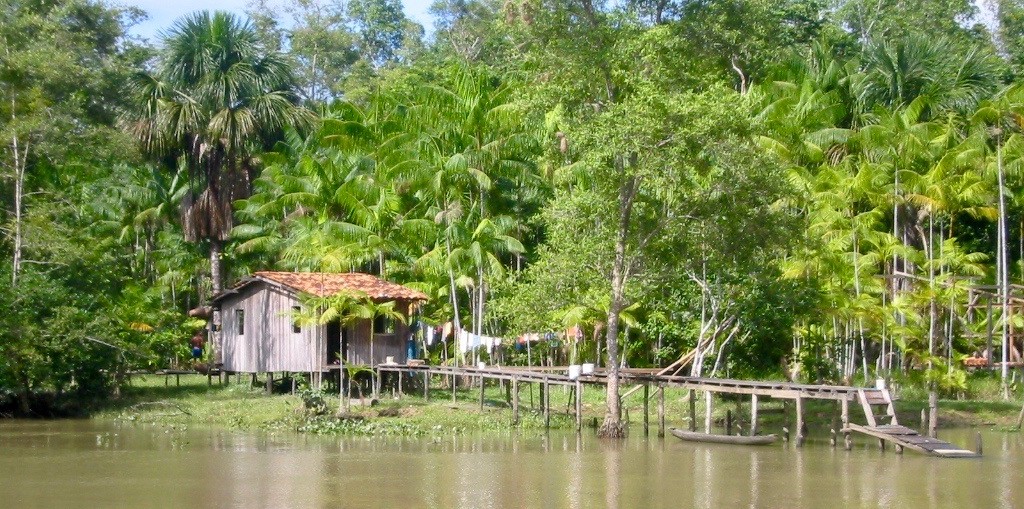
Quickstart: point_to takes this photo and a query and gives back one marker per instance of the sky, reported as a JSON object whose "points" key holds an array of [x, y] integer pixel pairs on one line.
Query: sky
{"points": [[162, 13]]}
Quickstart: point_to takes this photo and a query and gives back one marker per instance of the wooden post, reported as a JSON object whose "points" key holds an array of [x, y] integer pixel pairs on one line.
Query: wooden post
{"points": [[270, 382], [933, 413], [661, 411], [377, 384], [209, 377], [399, 385], [977, 443], [166, 380], [547, 404], [753, 414], [845, 416], [454, 385], [799, 421], [693, 410], [647, 417], [482, 393], [708, 401], [579, 405], [728, 422], [426, 386], [541, 390], [515, 400]]}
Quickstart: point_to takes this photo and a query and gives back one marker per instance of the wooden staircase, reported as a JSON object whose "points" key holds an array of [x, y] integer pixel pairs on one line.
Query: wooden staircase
{"points": [[889, 430], [870, 399]]}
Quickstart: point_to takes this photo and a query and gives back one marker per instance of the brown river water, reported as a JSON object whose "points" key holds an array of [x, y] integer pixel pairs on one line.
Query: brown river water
{"points": [[87, 464]]}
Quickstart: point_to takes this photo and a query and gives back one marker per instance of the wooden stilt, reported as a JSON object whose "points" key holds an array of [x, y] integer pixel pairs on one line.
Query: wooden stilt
{"points": [[579, 405], [481, 393], [647, 416], [933, 413], [547, 404], [454, 384], [753, 414], [661, 411], [270, 382], [728, 422], [800, 421], [693, 409], [844, 405], [708, 402], [166, 380], [515, 400], [399, 385], [377, 384]]}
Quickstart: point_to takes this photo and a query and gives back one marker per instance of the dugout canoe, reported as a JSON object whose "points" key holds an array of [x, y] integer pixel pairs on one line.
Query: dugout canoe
{"points": [[693, 436]]}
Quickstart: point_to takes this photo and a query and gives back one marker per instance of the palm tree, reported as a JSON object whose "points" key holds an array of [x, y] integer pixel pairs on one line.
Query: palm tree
{"points": [[217, 93], [998, 120]]}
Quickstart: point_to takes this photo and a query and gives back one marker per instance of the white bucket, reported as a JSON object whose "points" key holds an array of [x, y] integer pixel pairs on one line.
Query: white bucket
{"points": [[574, 371], [880, 384], [481, 365], [389, 360], [588, 368]]}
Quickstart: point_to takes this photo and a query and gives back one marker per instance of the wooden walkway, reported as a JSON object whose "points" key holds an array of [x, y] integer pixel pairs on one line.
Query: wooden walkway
{"points": [[903, 436], [877, 404]]}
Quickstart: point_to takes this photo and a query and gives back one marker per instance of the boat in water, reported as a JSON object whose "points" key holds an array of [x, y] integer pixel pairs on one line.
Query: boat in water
{"points": [[693, 436]]}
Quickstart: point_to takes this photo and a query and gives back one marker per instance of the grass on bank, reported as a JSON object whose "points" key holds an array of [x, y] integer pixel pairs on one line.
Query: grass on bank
{"points": [[239, 405]]}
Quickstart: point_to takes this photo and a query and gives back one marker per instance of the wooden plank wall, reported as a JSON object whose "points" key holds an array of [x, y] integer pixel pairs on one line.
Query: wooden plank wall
{"points": [[384, 345], [270, 344]]}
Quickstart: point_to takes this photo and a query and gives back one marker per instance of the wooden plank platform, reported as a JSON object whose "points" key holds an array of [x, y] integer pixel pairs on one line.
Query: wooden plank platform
{"points": [[906, 437], [780, 390]]}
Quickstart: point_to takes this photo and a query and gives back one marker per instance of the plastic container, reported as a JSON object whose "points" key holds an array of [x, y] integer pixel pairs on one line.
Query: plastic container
{"points": [[481, 365], [574, 371], [588, 368]]}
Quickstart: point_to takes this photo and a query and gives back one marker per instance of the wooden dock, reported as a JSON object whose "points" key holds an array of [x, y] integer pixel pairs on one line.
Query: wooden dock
{"points": [[903, 436], [876, 403]]}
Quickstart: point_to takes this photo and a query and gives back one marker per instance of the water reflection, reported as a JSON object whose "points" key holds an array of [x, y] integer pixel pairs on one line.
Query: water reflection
{"points": [[96, 464]]}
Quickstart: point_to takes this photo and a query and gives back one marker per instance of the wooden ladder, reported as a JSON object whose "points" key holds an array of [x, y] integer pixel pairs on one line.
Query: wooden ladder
{"points": [[869, 399], [877, 398]]}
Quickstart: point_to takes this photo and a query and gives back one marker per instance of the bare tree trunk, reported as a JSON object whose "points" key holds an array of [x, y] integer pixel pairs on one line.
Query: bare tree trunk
{"points": [[612, 426], [20, 161]]}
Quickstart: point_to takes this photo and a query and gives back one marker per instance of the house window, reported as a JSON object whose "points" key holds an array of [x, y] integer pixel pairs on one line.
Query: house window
{"points": [[296, 328], [240, 321], [383, 325]]}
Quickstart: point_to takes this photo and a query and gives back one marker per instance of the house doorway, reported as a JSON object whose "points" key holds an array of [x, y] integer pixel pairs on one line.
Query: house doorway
{"points": [[337, 343]]}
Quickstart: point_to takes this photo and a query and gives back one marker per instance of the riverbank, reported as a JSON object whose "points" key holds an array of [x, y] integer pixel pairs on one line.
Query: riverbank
{"points": [[152, 399]]}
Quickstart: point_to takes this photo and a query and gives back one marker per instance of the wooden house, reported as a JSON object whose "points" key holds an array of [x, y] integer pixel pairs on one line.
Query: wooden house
{"points": [[258, 331]]}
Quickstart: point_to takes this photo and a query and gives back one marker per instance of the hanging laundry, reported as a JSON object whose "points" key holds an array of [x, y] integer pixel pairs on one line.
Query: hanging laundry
{"points": [[429, 333]]}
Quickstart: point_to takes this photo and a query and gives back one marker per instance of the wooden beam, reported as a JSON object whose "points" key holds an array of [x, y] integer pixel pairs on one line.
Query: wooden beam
{"points": [[579, 405], [661, 411], [693, 409], [708, 402], [515, 400], [753, 414], [482, 393], [800, 422], [547, 404], [647, 416]]}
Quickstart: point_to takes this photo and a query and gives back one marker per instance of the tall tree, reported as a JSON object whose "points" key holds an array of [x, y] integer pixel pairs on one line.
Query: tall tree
{"points": [[217, 94]]}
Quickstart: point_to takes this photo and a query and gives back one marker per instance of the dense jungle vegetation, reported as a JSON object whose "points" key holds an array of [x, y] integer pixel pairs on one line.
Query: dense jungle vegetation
{"points": [[797, 188]]}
